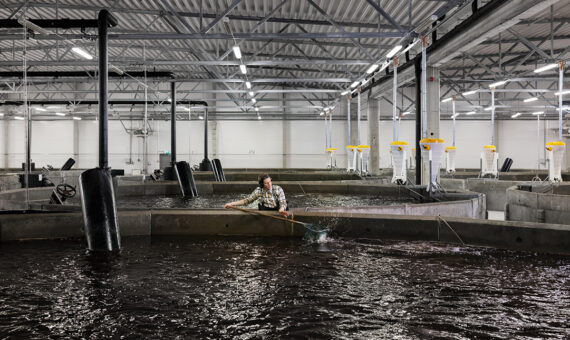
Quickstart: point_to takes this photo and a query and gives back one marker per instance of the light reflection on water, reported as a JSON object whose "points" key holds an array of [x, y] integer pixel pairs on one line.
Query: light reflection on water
{"points": [[294, 201], [268, 287]]}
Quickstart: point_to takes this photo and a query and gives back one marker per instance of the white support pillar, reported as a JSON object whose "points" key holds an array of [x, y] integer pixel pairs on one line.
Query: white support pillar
{"points": [[432, 106], [286, 135], [6, 144], [354, 123], [373, 135]]}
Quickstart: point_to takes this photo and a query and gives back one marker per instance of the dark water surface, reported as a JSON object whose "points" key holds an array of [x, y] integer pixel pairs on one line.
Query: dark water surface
{"points": [[241, 288], [294, 200]]}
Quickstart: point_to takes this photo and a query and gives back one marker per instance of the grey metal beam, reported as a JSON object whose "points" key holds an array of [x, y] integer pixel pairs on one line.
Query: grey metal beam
{"points": [[529, 44], [476, 61], [321, 47], [261, 22], [262, 36], [221, 16], [117, 9], [385, 15], [338, 27], [120, 62], [507, 15]]}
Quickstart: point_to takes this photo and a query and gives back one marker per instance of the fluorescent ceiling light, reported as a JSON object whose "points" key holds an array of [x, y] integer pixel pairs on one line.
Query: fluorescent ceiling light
{"points": [[81, 52], [538, 113], [409, 47], [365, 81], [259, 117], [470, 113], [446, 100], [499, 83], [248, 84], [528, 100], [60, 114], [251, 94], [40, 109], [344, 93], [237, 52], [406, 113], [77, 118], [516, 115], [256, 109], [321, 114], [393, 51], [1, 114], [32, 26], [243, 69], [372, 68], [455, 115], [488, 108], [563, 92], [201, 117], [116, 70], [18, 118], [386, 64], [545, 68], [253, 100], [355, 84], [468, 93]]}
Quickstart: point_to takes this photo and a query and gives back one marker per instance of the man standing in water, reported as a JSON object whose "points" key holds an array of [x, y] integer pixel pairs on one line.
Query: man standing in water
{"points": [[271, 196]]}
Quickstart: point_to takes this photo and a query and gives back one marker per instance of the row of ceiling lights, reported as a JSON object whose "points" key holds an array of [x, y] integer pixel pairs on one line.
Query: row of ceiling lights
{"points": [[243, 69], [503, 82]]}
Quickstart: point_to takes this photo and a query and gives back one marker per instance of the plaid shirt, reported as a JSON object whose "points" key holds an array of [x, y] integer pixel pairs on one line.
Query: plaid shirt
{"points": [[270, 198]]}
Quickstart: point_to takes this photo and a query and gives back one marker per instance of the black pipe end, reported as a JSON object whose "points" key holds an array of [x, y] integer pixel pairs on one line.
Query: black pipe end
{"points": [[108, 17], [205, 165]]}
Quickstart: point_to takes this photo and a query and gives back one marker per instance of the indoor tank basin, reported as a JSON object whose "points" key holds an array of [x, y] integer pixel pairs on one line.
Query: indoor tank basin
{"points": [[539, 202], [267, 287]]}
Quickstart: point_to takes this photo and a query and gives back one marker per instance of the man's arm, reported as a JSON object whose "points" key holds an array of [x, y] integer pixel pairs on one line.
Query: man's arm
{"points": [[282, 203], [254, 195]]}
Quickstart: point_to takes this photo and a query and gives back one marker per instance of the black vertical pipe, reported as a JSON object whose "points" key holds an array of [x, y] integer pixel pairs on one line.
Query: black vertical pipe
{"points": [[102, 22], [206, 134], [206, 165], [100, 220], [418, 74], [29, 145], [173, 123]]}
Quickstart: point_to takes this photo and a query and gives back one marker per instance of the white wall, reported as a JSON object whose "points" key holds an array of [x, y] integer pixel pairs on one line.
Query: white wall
{"points": [[258, 144]]}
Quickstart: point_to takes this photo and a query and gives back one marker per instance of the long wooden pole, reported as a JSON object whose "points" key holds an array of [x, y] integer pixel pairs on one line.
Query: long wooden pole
{"points": [[255, 212]]}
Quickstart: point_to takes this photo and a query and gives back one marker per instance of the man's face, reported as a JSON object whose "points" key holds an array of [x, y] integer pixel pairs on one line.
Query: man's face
{"points": [[267, 183]]}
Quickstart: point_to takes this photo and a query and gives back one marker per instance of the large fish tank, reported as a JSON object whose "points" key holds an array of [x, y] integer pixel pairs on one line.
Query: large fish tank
{"points": [[262, 287], [201, 271]]}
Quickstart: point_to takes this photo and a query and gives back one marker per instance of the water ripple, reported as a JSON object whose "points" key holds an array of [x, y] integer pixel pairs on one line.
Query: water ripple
{"points": [[242, 288]]}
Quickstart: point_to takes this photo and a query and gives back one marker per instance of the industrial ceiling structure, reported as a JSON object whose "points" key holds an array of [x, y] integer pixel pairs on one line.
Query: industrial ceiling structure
{"points": [[279, 59]]}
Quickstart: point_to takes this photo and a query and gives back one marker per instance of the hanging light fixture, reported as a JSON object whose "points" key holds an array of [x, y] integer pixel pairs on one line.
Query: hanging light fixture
{"points": [[546, 68], [237, 52], [81, 52], [393, 51]]}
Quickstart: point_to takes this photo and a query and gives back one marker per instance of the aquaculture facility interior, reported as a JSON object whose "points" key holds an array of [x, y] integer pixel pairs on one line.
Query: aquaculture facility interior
{"points": [[297, 169]]}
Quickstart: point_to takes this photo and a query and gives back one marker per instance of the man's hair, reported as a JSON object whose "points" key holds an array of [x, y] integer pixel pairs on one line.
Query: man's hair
{"points": [[262, 178]]}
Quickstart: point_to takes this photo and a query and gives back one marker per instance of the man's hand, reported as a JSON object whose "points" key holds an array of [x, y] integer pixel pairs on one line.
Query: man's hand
{"points": [[227, 205], [283, 213]]}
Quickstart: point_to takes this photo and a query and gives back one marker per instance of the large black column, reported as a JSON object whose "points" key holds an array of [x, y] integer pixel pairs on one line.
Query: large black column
{"points": [[206, 165], [173, 123], [418, 74], [100, 221]]}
